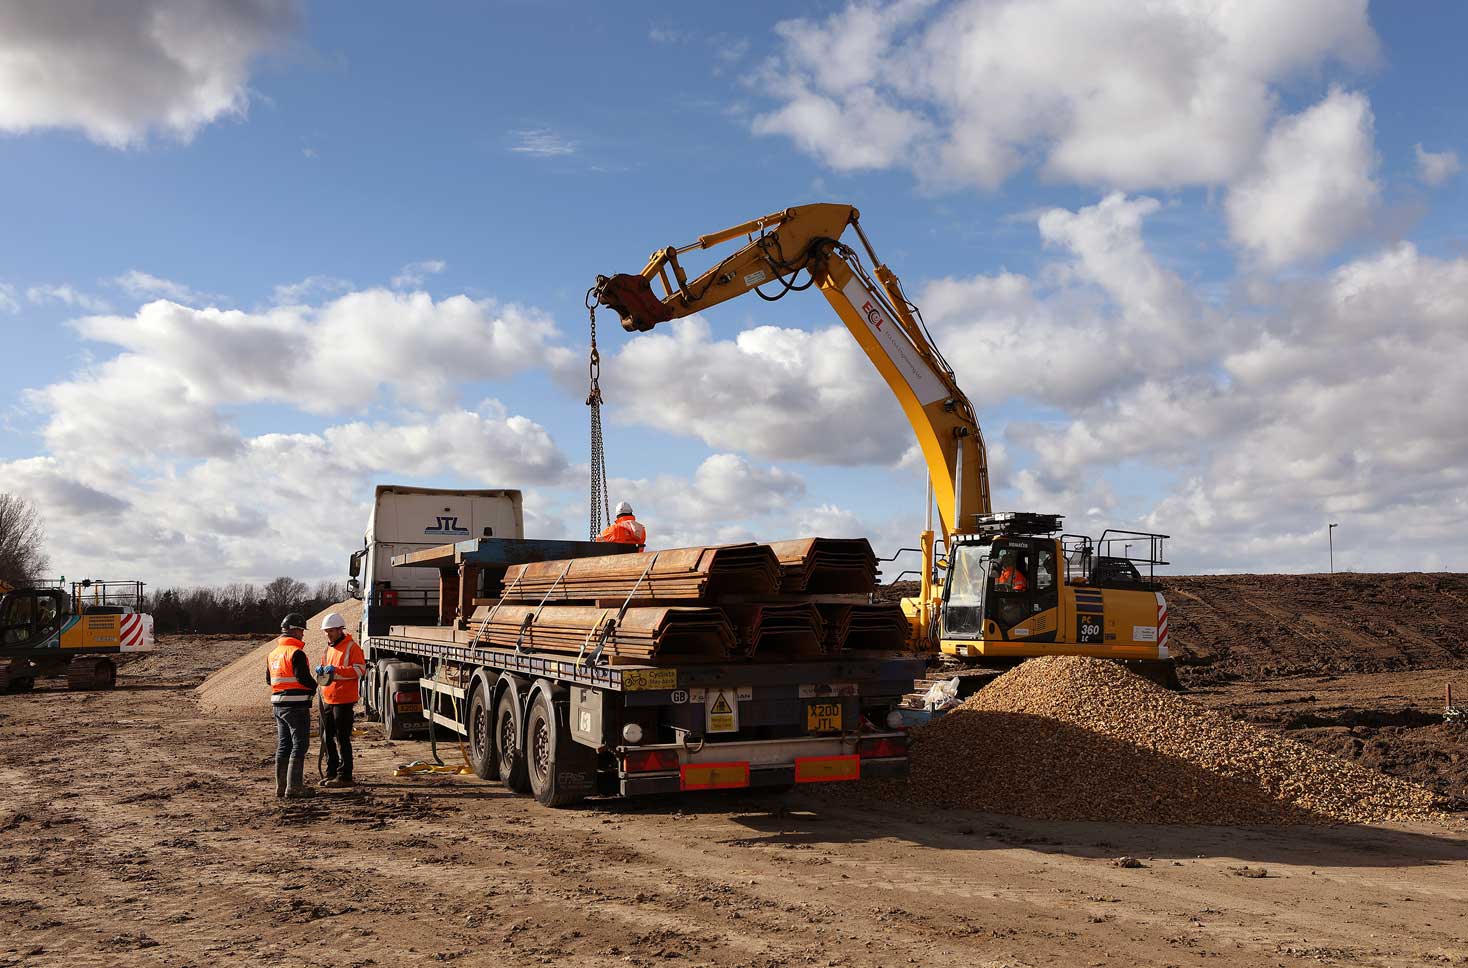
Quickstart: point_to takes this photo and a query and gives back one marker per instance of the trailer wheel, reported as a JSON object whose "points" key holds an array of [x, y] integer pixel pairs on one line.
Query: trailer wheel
{"points": [[482, 759], [508, 745], [392, 723], [551, 756]]}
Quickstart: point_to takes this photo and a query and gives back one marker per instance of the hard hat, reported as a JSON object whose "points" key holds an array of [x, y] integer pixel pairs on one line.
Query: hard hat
{"points": [[623, 508], [333, 621], [295, 620]]}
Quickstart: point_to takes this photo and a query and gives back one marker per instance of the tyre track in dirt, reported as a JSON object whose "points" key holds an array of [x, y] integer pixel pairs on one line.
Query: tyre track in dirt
{"points": [[150, 838]]}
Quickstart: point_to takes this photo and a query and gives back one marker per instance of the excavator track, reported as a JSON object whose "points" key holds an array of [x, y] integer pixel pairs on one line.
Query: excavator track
{"points": [[87, 673]]}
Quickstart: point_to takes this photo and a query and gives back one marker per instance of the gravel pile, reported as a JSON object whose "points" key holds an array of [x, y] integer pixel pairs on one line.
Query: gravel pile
{"points": [[1064, 738], [239, 690]]}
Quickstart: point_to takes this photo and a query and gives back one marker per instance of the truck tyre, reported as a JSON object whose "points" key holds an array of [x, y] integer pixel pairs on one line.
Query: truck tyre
{"points": [[369, 693], [399, 672], [509, 743], [379, 690], [480, 724], [558, 776]]}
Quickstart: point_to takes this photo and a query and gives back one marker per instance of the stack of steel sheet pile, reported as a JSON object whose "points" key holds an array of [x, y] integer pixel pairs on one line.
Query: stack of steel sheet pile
{"points": [[826, 565], [792, 599], [864, 628]]}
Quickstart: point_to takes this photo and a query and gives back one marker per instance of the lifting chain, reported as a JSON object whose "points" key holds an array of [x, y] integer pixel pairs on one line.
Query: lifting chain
{"points": [[601, 508]]}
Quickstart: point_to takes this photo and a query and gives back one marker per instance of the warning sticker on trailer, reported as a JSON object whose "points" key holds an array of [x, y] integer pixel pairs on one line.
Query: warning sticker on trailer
{"points": [[721, 711], [645, 680]]}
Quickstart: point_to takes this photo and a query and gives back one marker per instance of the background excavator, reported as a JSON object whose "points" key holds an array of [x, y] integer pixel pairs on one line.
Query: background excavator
{"points": [[46, 631], [1006, 586]]}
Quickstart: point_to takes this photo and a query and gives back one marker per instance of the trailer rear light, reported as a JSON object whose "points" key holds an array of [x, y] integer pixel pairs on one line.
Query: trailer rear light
{"points": [[408, 701], [884, 747], [650, 761]]}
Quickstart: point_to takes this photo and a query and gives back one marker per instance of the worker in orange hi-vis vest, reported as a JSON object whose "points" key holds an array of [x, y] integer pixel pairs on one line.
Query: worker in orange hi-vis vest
{"points": [[291, 689], [626, 529], [342, 668]]}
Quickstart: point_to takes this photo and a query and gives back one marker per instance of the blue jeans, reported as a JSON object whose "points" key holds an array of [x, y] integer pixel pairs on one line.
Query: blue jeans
{"points": [[292, 731]]}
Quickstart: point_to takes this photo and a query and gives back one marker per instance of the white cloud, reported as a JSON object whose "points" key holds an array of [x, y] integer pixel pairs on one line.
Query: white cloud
{"points": [[185, 368], [278, 504], [542, 143], [783, 394], [414, 273], [1108, 316], [8, 302], [1121, 94], [141, 284], [1313, 188], [295, 293], [1342, 400], [119, 71], [66, 295], [1436, 167]]}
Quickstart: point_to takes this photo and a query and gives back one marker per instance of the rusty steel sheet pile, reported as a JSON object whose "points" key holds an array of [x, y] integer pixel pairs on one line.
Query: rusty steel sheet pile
{"points": [[865, 628], [677, 574], [750, 601], [826, 565], [639, 635], [795, 629]]}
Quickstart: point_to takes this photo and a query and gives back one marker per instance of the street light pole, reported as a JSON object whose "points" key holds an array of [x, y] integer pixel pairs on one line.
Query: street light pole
{"points": [[1330, 537]]}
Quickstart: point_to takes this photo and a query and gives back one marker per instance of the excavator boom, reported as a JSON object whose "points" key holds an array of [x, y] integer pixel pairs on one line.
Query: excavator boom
{"points": [[871, 304]]}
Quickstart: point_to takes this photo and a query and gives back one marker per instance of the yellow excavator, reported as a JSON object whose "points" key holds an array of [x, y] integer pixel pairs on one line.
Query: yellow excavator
{"points": [[1006, 586]]}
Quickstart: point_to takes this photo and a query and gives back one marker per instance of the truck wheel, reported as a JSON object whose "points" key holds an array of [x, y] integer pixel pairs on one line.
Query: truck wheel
{"points": [[370, 686], [392, 723], [548, 754], [507, 743], [485, 764]]}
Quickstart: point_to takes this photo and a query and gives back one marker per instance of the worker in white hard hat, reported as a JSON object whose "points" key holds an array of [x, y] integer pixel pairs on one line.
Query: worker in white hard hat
{"points": [[341, 672], [626, 529]]}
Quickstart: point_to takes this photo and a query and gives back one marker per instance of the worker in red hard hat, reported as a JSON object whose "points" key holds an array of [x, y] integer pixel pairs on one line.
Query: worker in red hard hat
{"points": [[288, 671], [626, 529], [342, 669]]}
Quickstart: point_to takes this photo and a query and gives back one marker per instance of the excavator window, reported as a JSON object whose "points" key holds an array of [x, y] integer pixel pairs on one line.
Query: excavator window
{"points": [[30, 616], [968, 577]]}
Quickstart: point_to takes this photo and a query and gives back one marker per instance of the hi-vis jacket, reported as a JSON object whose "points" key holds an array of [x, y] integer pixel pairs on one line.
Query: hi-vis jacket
{"points": [[625, 530], [289, 672], [343, 688]]}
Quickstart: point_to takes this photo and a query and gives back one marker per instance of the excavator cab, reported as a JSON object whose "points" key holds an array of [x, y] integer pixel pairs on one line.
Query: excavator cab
{"points": [[997, 584]]}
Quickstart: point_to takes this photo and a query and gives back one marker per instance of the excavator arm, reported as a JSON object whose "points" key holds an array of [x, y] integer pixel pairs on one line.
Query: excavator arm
{"points": [[873, 307]]}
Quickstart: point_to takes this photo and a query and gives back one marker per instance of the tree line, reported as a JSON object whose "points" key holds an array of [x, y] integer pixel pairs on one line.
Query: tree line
{"points": [[239, 607]]}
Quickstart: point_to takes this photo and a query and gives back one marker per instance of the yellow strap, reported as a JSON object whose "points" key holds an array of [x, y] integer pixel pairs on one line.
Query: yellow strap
{"points": [[418, 768]]}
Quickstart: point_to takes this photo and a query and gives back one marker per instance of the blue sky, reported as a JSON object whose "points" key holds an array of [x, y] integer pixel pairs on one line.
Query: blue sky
{"points": [[514, 150]]}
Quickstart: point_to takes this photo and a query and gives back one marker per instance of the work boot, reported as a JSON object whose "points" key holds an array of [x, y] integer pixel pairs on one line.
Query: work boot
{"points": [[337, 783], [282, 771], [329, 780], [296, 788]]}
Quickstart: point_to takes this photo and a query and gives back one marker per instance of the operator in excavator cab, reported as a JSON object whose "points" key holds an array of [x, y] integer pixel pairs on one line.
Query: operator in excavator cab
{"points": [[626, 529], [1012, 573]]}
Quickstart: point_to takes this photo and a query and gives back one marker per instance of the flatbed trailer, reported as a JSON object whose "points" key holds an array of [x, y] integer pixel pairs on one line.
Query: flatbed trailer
{"points": [[563, 730], [564, 726]]}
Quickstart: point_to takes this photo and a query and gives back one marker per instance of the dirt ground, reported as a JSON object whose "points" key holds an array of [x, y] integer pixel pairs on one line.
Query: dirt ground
{"points": [[135, 832]]}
